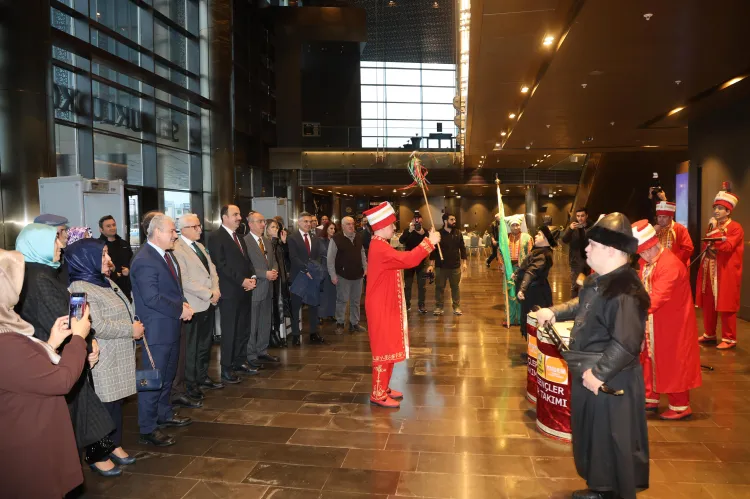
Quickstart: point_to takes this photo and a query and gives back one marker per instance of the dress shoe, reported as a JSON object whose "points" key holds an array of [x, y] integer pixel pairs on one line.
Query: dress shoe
{"points": [[284, 343], [386, 402], [356, 328], [185, 401], [268, 358], [707, 339], [437, 311], [228, 377], [175, 422], [316, 338], [457, 311], [209, 384], [726, 345], [157, 438], [122, 461], [593, 494], [116, 471], [296, 341], [339, 328], [421, 309], [676, 415], [195, 393], [652, 406], [395, 394], [246, 368]]}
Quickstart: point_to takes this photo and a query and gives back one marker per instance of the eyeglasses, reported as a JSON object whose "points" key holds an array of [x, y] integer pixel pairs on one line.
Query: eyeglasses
{"points": [[258, 221], [196, 227]]}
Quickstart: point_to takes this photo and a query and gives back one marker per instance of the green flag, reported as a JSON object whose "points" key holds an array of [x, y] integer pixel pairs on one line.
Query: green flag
{"points": [[504, 248]]}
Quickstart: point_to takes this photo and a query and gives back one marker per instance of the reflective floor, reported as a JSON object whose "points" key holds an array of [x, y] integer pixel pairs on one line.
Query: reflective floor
{"points": [[306, 429]]}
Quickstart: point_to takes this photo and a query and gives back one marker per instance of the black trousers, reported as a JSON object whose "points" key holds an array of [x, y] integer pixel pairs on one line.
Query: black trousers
{"points": [[493, 255], [235, 331], [178, 385], [199, 337], [409, 280], [115, 411], [312, 313]]}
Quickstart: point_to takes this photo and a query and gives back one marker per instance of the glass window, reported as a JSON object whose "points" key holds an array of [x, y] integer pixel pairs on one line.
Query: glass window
{"points": [[65, 98], [114, 47], [403, 94], [176, 204], [373, 110], [371, 76], [171, 128], [183, 12], [116, 111], [66, 150], [118, 15], [439, 78], [402, 77], [62, 21], [404, 65], [439, 111], [118, 159], [122, 79], [170, 44], [403, 111], [372, 93], [372, 142], [438, 95], [173, 169]]}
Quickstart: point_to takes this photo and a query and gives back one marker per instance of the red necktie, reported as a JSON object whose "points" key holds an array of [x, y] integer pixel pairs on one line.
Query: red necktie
{"points": [[237, 240], [307, 243], [171, 266]]}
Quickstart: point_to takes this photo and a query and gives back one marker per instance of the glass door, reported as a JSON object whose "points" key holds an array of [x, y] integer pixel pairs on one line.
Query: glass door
{"points": [[134, 217]]}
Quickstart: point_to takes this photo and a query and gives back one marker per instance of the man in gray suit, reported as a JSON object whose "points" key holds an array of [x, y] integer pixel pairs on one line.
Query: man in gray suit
{"points": [[266, 270], [200, 284]]}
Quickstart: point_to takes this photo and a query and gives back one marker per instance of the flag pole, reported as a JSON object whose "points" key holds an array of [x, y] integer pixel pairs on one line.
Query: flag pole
{"points": [[429, 213], [505, 280]]}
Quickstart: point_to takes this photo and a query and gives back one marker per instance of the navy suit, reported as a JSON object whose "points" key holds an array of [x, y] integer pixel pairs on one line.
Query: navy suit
{"points": [[300, 259], [158, 302]]}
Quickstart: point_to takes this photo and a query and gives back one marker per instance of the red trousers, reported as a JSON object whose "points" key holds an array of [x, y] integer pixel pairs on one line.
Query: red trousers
{"points": [[710, 315], [677, 401], [381, 377]]}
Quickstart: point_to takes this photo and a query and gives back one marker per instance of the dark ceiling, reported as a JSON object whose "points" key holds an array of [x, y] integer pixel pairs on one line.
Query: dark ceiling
{"points": [[634, 71], [443, 190], [409, 31]]}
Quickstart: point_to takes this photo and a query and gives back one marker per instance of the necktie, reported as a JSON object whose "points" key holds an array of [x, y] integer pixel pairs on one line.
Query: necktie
{"points": [[307, 243], [237, 240], [262, 248], [171, 266], [201, 256]]}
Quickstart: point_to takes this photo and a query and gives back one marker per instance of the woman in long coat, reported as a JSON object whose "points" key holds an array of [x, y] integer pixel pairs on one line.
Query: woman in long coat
{"points": [[327, 309], [282, 309]]}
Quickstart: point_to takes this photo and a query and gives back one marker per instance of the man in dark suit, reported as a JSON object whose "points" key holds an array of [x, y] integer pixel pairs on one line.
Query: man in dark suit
{"points": [[236, 280], [263, 260], [161, 306], [303, 248]]}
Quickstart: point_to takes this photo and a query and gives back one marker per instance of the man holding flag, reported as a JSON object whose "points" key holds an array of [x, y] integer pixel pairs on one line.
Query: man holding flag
{"points": [[519, 244]]}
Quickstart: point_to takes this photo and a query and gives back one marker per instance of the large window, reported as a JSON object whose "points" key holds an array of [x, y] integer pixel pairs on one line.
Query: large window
{"points": [[403, 101], [118, 159]]}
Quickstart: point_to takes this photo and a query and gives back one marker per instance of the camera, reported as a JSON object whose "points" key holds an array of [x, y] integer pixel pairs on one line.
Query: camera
{"points": [[656, 187], [417, 226]]}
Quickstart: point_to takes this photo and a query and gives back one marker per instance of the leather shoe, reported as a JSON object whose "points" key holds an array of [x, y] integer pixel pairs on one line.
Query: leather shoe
{"points": [[268, 358], [195, 393], [316, 338], [229, 377], [175, 422], [185, 401], [246, 369], [356, 328], [122, 461], [116, 471], [296, 341], [209, 384], [157, 438], [593, 494]]}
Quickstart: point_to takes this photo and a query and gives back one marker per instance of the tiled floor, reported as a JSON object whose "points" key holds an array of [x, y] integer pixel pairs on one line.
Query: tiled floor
{"points": [[306, 429]]}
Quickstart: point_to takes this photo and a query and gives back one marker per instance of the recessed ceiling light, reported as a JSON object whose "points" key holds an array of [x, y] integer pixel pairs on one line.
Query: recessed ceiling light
{"points": [[435, 5], [458, 197], [551, 195], [392, 3], [676, 110], [732, 82], [524, 89], [452, 190], [647, 16], [507, 190], [330, 191], [503, 134], [497, 144], [394, 190], [548, 40], [512, 116], [650, 147]]}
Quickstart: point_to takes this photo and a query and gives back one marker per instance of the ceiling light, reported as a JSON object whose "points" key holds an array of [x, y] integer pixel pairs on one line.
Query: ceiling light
{"points": [[732, 82], [676, 110], [391, 3], [551, 195], [650, 147], [648, 16], [458, 197], [452, 190], [512, 116], [524, 89], [507, 190], [435, 5], [497, 144], [503, 134], [548, 40], [394, 190]]}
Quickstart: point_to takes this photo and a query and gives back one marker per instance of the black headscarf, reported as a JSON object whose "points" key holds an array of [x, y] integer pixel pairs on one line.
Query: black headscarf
{"points": [[84, 259]]}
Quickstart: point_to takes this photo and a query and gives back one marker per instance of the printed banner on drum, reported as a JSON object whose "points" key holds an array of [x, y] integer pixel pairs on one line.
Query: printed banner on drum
{"points": [[552, 369]]}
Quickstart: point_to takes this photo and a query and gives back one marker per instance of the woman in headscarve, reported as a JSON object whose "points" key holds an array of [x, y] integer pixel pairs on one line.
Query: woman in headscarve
{"points": [[43, 299], [116, 329], [77, 233], [38, 455]]}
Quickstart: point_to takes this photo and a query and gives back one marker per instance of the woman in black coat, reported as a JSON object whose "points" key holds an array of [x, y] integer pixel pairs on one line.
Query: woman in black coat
{"points": [[43, 299], [327, 308], [282, 306], [532, 286]]}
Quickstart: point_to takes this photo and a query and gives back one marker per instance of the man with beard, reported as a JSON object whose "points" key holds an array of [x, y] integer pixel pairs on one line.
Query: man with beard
{"points": [[610, 436], [575, 237], [672, 236], [411, 238], [449, 267]]}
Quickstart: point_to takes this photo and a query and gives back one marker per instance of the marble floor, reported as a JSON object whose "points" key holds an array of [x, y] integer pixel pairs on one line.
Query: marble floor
{"points": [[305, 429]]}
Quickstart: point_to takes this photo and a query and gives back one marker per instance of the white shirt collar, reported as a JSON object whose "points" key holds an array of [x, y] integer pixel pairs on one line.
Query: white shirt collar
{"points": [[161, 251], [255, 237], [303, 233], [187, 241], [231, 232]]}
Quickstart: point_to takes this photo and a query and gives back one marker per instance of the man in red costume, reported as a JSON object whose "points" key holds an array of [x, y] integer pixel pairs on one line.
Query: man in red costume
{"points": [[720, 273], [672, 236], [384, 300], [670, 357]]}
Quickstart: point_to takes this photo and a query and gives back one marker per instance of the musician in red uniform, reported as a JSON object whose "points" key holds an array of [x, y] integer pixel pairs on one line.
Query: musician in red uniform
{"points": [[670, 357], [384, 300], [672, 236], [720, 274]]}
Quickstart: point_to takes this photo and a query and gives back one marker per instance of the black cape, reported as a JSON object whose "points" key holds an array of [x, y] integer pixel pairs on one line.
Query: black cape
{"points": [[610, 436]]}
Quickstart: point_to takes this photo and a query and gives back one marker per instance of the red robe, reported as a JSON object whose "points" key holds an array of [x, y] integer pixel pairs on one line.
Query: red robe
{"points": [[384, 301], [724, 272], [676, 239], [671, 328]]}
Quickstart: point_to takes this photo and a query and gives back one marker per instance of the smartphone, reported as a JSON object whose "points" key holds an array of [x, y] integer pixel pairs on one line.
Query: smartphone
{"points": [[76, 307]]}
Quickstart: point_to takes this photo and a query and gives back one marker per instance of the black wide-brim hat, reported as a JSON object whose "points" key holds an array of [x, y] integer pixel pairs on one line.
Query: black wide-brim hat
{"points": [[614, 230], [551, 234]]}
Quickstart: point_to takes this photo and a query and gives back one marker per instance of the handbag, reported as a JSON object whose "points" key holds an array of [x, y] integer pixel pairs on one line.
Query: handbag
{"points": [[148, 380]]}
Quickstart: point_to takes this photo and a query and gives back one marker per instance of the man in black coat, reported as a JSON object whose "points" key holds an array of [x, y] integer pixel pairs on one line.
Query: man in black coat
{"points": [[303, 249], [575, 237], [236, 281], [411, 238], [119, 251], [610, 436]]}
